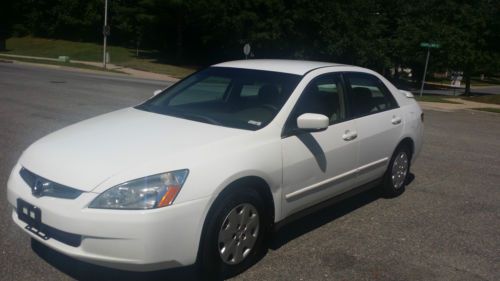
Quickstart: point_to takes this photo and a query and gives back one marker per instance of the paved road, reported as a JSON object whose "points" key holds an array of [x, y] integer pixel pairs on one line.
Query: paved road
{"points": [[486, 90], [446, 226]]}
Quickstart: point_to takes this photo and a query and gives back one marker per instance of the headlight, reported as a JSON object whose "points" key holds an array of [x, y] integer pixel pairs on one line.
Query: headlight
{"points": [[145, 193]]}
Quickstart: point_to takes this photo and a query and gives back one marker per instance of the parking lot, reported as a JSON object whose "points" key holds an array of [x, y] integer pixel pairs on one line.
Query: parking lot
{"points": [[446, 226]]}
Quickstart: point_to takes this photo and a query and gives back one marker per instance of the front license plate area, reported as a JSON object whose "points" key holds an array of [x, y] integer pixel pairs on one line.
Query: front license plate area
{"points": [[31, 215]]}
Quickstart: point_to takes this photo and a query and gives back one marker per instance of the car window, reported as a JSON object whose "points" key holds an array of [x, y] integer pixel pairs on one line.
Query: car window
{"points": [[368, 95], [250, 90], [323, 95], [231, 97], [211, 88]]}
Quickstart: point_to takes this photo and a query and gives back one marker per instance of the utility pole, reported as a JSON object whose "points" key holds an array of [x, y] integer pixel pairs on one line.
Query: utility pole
{"points": [[428, 46], [105, 32]]}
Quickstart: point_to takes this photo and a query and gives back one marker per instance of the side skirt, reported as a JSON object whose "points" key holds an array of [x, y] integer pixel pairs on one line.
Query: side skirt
{"points": [[326, 203]]}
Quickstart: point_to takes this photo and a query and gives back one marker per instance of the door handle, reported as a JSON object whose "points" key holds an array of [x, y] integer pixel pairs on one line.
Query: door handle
{"points": [[396, 120], [349, 135]]}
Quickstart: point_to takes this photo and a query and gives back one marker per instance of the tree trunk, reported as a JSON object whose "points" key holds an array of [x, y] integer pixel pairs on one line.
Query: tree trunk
{"points": [[3, 44], [137, 45], [179, 43], [467, 77], [396, 71]]}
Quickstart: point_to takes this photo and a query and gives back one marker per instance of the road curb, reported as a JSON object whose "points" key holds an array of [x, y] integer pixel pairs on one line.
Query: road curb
{"points": [[136, 73]]}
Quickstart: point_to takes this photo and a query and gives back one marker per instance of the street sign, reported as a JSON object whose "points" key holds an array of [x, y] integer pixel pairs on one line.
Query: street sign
{"points": [[246, 50], [430, 45]]}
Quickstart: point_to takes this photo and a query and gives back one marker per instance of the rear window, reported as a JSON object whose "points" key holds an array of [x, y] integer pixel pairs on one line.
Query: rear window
{"points": [[368, 94]]}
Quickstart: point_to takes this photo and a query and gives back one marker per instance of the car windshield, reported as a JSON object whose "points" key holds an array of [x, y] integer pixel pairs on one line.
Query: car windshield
{"points": [[231, 97]]}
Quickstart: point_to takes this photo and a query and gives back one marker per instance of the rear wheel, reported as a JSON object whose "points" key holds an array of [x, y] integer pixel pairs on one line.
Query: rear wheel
{"points": [[397, 173], [234, 234]]}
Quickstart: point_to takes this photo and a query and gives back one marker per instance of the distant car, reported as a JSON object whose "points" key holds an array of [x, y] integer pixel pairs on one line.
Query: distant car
{"points": [[201, 171]]}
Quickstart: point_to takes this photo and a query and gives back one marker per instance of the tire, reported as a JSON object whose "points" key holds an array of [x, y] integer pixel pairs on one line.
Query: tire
{"points": [[219, 255], [396, 176]]}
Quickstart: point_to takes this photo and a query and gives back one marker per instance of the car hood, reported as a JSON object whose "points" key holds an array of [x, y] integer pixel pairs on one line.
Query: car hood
{"points": [[86, 154]]}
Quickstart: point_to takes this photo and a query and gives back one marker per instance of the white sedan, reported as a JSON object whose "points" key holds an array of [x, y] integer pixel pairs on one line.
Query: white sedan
{"points": [[200, 172]]}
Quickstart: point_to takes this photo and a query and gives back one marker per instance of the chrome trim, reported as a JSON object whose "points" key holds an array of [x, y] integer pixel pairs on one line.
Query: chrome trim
{"points": [[372, 164], [296, 193]]}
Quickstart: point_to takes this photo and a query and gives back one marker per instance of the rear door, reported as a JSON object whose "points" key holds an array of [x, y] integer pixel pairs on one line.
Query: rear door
{"points": [[378, 121]]}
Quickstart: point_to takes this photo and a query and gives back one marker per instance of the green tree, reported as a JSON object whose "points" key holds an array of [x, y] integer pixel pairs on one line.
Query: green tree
{"points": [[381, 35], [472, 43], [131, 20]]}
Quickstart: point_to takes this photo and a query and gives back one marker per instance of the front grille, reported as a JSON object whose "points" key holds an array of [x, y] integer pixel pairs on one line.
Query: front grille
{"points": [[43, 187]]}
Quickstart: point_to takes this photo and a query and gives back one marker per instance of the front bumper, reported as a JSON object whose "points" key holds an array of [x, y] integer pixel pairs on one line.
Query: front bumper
{"points": [[123, 239]]}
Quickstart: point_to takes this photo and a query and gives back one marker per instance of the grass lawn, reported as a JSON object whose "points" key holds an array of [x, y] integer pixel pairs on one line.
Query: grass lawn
{"points": [[489, 109], [78, 65], [50, 48], [433, 98], [494, 99]]}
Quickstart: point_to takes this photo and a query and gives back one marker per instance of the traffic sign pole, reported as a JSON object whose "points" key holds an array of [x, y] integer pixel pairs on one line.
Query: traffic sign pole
{"points": [[425, 70], [428, 46]]}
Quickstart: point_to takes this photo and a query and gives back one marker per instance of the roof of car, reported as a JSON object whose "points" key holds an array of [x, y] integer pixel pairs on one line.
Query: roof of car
{"points": [[288, 66]]}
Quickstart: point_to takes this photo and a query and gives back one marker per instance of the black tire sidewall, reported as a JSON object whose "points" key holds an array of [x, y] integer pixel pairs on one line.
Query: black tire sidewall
{"points": [[211, 264]]}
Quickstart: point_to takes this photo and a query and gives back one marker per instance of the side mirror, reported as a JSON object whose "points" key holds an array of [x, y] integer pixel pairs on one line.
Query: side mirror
{"points": [[312, 122], [156, 92]]}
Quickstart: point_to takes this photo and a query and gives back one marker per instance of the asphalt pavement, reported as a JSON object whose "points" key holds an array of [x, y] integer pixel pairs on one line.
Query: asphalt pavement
{"points": [[446, 226]]}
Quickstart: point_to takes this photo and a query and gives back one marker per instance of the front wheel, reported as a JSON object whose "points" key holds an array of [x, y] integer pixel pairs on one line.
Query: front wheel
{"points": [[234, 234], [395, 178]]}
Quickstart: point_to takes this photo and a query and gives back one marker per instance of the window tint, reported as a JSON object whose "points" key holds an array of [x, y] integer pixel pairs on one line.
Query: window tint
{"points": [[231, 97], [368, 94], [323, 95], [210, 89], [250, 90]]}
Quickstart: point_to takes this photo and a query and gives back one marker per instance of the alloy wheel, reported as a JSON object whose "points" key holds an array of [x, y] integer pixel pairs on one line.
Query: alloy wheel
{"points": [[399, 169]]}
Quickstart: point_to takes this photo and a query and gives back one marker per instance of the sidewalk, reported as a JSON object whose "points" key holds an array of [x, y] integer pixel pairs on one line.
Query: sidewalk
{"points": [[460, 104], [461, 87], [130, 71]]}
